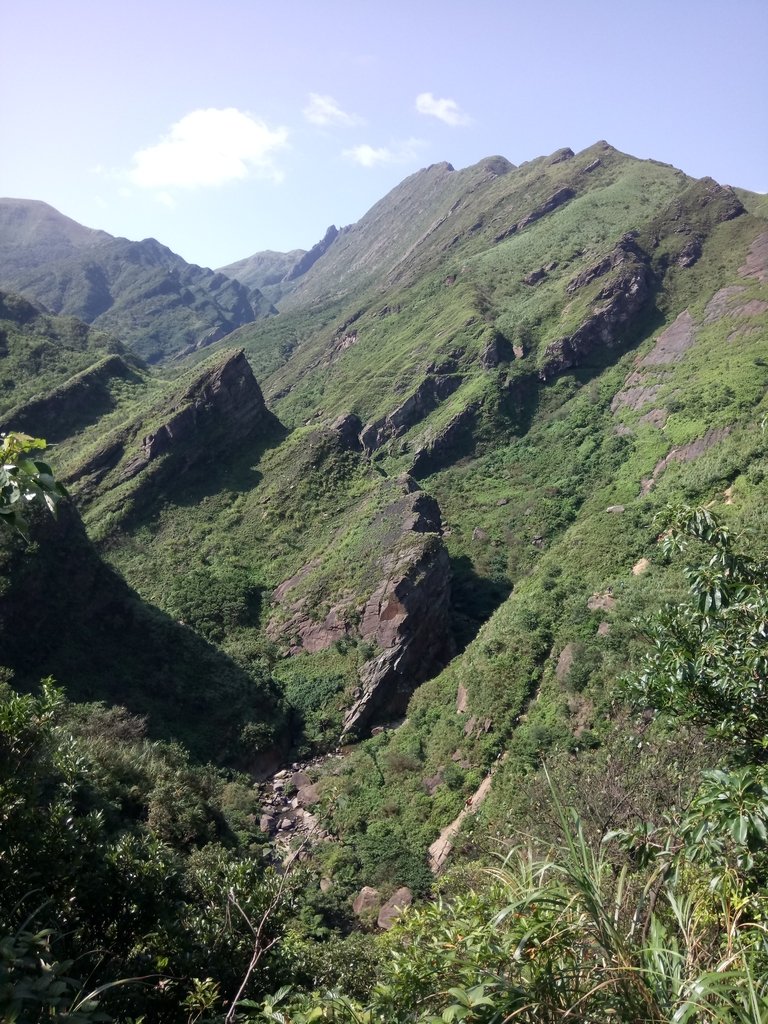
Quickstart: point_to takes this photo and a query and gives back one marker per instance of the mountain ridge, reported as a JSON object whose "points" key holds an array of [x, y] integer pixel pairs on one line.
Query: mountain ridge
{"points": [[157, 302]]}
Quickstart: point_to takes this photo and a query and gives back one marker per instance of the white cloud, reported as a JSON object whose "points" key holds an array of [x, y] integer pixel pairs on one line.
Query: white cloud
{"points": [[444, 110], [325, 111], [209, 147], [399, 153]]}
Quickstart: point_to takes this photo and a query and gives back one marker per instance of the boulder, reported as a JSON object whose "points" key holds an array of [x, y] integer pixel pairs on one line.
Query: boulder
{"points": [[433, 782], [308, 795], [394, 906], [367, 900]]}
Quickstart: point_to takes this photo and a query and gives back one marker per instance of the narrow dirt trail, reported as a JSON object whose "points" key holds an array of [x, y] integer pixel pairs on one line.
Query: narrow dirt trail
{"points": [[440, 850]]}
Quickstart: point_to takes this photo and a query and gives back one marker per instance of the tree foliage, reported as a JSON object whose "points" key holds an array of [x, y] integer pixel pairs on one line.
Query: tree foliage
{"points": [[708, 661], [24, 480]]}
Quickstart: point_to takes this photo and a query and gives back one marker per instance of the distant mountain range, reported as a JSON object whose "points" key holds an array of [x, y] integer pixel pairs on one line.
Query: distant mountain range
{"points": [[157, 303]]}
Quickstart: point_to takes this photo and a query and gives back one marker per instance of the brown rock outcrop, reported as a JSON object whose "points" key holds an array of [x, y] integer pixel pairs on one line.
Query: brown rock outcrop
{"points": [[222, 406], [636, 394], [622, 300], [497, 350], [684, 453], [556, 199], [408, 615], [560, 156], [625, 250], [347, 428], [673, 342], [227, 391], [427, 396], [756, 263]]}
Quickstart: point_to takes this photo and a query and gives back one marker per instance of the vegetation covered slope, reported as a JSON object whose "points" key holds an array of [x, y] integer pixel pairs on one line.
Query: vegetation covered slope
{"points": [[151, 298], [483, 393]]}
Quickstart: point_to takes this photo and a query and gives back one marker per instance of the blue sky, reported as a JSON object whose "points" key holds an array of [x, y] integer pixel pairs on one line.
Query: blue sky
{"points": [[224, 128]]}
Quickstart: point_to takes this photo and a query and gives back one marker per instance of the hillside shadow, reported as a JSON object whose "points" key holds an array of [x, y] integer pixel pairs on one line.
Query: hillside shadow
{"points": [[474, 599], [71, 408], [102, 642], [186, 486]]}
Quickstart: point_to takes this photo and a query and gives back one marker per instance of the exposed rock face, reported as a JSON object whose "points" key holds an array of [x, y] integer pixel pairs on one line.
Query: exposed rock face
{"points": [[535, 276], [672, 343], [690, 252], [565, 662], [225, 400], [685, 453], [302, 265], [408, 616], [635, 394], [626, 250], [462, 700], [622, 300], [561, 155], [438, 450], [691, 215], [347, 428], [227, 392], [558, 198], [416, 407], [498, 350], [756, 263]]}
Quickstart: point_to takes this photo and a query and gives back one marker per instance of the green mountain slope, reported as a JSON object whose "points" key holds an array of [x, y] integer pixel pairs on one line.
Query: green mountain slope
{"points": [[157, 303], [478, 397]]}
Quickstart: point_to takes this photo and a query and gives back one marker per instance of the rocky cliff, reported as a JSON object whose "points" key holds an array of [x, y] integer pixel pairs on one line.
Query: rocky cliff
{"points": [[221, 408], [404, 616]]}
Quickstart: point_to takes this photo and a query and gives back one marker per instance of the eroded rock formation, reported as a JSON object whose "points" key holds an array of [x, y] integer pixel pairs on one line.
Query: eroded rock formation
{"points": [[427, 396], [406, 617], [223, 406], [618, 304]]}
